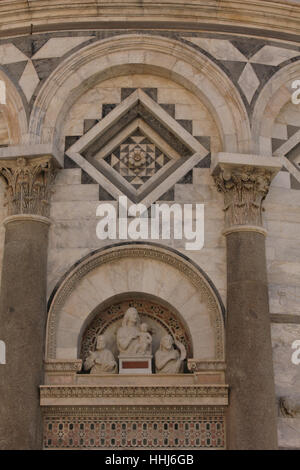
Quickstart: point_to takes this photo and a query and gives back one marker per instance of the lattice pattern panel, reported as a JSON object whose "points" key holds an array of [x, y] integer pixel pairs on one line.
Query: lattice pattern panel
{"points": [[133, 432]]}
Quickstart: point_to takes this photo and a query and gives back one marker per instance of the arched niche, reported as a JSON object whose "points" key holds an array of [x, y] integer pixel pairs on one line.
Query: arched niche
{"points": [[160, 317], [125, 54], [146, 271]]}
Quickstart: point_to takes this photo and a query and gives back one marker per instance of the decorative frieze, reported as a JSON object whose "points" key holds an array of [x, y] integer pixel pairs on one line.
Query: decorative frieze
{"points": [[134, 427], [29, 185], [87, 391], [196, 365], [60, 365]]}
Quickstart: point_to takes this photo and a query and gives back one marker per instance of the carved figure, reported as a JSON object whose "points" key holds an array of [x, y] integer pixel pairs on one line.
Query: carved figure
{"points": [[102, 360], [169, 360], [145, 340], [128, 335]]}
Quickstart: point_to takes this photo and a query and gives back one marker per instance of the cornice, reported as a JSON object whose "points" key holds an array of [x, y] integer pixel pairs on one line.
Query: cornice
{"points": [[279, 19]]}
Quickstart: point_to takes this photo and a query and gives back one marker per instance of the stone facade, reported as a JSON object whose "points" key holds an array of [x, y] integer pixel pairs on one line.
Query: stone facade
{"points": [[169, 111]]}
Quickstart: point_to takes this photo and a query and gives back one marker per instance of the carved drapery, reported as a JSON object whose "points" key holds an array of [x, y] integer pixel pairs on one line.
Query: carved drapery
{"points": [[28, 185], [244, 189]]}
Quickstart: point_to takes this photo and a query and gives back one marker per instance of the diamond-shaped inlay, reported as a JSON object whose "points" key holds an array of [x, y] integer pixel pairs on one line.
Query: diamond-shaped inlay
{"points": [[137, 150], [137, 159]]}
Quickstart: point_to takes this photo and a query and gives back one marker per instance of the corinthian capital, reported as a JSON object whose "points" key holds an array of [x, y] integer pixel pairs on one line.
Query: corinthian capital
{"points": [[245, 183], [28, 185]]}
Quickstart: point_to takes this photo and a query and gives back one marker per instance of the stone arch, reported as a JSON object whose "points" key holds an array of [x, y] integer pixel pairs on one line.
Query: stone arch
{"points": [[13, 112], [145, 268], [275, 94], [107, 317], [149, 54]]}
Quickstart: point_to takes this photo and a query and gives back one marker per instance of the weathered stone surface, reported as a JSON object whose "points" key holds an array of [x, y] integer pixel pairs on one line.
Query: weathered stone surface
{"points": [[248, 345], [23, 322]]}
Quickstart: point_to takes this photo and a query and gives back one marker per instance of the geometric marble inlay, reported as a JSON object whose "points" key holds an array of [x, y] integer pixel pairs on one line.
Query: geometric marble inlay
{"points": [[137, 150], [132, 432], [137, 159]]}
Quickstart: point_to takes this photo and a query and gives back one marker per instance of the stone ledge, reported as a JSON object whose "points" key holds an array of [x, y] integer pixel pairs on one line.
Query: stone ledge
{"points": [[56, 395], [263, 16]]}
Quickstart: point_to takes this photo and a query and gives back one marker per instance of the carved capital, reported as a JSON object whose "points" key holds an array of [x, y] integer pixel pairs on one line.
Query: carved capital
{"points": [[244, 181], [28, 185], [244, 190]]}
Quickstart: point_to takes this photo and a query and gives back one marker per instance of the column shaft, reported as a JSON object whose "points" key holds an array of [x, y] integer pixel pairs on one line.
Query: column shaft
{"points": [[22, 327], [252, 422]]}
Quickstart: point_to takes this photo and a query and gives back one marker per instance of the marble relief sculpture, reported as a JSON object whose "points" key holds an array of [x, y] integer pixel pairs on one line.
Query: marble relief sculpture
{"points": [[102, 360], [133, 338], [169, 360], [145, 340]]}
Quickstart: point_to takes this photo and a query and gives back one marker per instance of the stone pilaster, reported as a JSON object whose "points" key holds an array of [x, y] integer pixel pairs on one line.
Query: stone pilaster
{"points": [[252, 422], [23, 299]]}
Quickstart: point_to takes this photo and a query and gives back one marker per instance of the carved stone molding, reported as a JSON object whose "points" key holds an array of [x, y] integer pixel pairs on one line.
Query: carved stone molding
{"points": [[195, 365], [244, 181], [28, 185], [138, 410], [87, 391], [133, 251], [60, 365]]}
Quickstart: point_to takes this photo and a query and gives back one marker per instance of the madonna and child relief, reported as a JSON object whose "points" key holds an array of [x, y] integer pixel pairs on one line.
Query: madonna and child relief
{"points": [[134, 344]]}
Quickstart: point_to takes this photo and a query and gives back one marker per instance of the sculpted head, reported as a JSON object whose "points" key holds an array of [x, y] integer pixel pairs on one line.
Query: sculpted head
{"points": [[144, 327], [101, 342], [166, 342], [131, 317]]}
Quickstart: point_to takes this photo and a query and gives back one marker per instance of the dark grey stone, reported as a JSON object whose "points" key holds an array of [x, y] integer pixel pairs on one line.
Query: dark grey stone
{"points": [[125, 92], [276, 143], [291, 130], [248, 46], [234, 68], [15, 70], [104, 195], [87, 179], [107, 108], [295, 183], [88, 124], [205, 162], [69, 163], [168, 196], [169, 108], [186, 124], [252, 415], [264, 72], [44, 67], [187, 178], [23, 325], [285, 318]]}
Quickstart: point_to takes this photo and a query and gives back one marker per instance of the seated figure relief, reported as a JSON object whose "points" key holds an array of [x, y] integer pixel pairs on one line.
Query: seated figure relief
{"points": [[133, 339], [102, 360], [169, 360]]}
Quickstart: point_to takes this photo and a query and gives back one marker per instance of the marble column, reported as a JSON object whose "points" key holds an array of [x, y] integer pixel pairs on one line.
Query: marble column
{"points": [[252, 417], [23, 299]]}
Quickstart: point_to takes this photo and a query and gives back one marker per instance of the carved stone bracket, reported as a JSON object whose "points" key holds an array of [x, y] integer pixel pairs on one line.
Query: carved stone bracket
{"points": [[29, 185], [244, 180]]}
